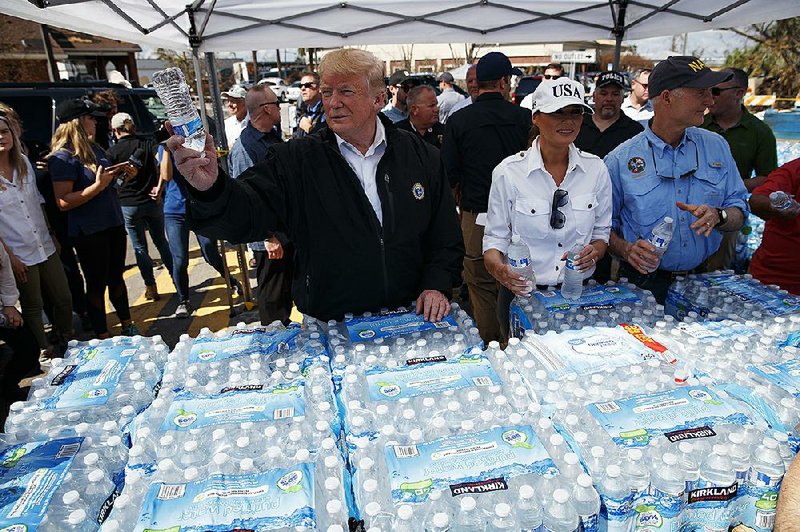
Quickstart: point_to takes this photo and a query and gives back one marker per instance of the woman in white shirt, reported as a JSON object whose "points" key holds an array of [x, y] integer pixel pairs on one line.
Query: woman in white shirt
{"points": [[553, 195], [26, 237]]}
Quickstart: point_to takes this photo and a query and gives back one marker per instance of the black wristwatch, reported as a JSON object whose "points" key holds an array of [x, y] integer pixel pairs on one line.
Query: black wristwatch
{"points": [[723, 218]]}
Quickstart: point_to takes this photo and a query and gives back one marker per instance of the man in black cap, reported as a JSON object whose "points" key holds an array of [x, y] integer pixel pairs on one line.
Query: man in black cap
{"points": [[476, 139], [395, 110], [608, 127], [676, 173]]}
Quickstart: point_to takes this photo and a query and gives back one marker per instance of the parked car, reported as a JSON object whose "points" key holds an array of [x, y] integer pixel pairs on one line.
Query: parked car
{"points": [[293, 92], [278, 86], [36, 104], [526, 85]]}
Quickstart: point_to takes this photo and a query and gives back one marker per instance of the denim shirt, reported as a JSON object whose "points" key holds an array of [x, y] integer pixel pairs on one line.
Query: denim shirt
{"points": [[648, 176]]}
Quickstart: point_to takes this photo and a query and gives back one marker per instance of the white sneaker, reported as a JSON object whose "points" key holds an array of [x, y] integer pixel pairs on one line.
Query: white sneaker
{"points": [[184, 310]]}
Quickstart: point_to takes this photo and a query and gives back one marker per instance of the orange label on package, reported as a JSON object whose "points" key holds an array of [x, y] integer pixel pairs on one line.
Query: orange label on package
{"points": [[638, 333]]}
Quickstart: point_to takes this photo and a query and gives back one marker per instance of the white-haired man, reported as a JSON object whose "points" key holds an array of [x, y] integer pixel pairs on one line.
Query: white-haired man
{"points": [[371, 216]]}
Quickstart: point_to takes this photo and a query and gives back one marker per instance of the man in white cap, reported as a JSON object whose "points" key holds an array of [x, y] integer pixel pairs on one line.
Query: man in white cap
{"points": [[238, 120], [448, 98]]}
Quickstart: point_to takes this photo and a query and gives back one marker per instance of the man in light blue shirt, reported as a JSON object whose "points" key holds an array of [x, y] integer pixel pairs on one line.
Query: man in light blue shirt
{"points": [[674, 169]]}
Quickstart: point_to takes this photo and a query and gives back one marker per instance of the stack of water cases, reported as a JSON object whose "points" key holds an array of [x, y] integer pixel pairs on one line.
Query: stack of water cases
{"points": [[670, 447], [599, 305], [442, 437], [724, 295], [64, 452], [242, 436]]}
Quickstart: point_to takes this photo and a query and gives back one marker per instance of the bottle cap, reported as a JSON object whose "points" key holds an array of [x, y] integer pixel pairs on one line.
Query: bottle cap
{"points": [[525, 491], [584, 480], [613, 471], [441, 520], [668, 219], [468, 504], [502, 510], [670, 459], [331, 483], [561, 496], [77, 517], [406, 512], [71, 497]]}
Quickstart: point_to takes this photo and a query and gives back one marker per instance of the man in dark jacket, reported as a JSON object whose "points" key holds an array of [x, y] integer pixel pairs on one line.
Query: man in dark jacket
{"points": [[476, 139], [372, 219], [423, 115]]}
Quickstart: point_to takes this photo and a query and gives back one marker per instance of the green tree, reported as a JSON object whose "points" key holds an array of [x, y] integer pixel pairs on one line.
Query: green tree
{"points": [[775, 56]]}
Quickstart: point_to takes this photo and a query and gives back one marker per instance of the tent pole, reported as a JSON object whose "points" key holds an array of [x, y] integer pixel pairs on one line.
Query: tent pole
{"points": [[198, 76], [216, 105], [619, 30]]}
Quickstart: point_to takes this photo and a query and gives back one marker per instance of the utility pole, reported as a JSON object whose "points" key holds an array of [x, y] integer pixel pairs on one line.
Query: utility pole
{"points": [[255, 66], [278, 62]]}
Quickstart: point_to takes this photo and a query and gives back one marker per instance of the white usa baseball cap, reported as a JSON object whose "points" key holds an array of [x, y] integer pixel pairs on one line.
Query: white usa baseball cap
{"points": [[554, 94]]}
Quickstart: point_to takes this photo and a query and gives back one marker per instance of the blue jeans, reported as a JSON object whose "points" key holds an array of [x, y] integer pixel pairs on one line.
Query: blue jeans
{"points": [[178, 236], [138, 218]]}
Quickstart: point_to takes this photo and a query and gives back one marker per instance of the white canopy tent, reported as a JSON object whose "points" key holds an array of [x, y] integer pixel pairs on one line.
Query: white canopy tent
{"points": [[233, 25]]}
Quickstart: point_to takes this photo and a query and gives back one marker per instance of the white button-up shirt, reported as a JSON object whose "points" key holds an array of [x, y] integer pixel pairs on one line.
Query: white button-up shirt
{"points": [[521, 198], [22, 224], [366, 166], [234, 128], [640, 114], [447, 100], [8, 285]]}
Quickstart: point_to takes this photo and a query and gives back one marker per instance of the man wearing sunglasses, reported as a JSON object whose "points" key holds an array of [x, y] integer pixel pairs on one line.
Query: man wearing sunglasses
{"points": [[312, 116], [674, 169], [637, 105], [551, 71], [274, 256], [751, 141], [476, 139], [395, 110]]}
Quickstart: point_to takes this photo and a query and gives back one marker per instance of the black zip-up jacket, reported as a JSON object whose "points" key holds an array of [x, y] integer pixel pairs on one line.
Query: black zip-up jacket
{"points": [[345, 260]]}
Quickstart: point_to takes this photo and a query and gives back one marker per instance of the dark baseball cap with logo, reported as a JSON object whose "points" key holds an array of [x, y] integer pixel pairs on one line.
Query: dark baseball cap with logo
{"points": [[610, 78], [76, 108], [495, 65], [683, 71]]}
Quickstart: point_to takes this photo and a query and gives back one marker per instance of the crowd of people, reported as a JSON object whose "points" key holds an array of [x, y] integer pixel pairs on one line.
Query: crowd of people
{"points": [[374, 203]]}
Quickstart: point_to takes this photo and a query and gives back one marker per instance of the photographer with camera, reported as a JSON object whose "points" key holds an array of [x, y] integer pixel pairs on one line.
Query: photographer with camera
{"points": [[139, 196]]}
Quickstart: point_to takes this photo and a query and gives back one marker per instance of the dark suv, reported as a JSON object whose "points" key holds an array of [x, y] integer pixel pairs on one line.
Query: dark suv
{"points": [[526, 85], [36, 104]]}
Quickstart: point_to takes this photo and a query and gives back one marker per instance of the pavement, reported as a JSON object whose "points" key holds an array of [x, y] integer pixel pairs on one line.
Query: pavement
{"points": [[208, 297]]}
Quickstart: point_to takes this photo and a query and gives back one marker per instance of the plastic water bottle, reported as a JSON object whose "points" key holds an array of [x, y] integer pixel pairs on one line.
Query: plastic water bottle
{"points": [[667, 486], [519, 258], [174, 93], [780, 200], [559, 515], [502, 519], [586, 502], [572, 287], [616, 499], [470, 518], [763, 482], [661, 237], [529, 515]]}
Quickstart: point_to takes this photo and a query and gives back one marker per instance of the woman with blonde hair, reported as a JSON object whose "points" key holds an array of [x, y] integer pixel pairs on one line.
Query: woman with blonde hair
{"points": [[84, 184], [26, 236]]}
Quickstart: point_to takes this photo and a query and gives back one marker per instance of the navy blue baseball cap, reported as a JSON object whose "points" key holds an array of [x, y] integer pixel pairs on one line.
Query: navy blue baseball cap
{"points": [[77, 107], [683, 71], [495, 65], [610, 77]]}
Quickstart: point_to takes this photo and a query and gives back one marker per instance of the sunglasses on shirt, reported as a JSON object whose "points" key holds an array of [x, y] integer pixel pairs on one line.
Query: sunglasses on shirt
{"points": [[558, 218], [308, 85]]}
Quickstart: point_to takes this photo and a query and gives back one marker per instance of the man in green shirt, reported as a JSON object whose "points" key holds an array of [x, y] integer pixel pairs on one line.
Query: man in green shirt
{"points": [[752, 144]]}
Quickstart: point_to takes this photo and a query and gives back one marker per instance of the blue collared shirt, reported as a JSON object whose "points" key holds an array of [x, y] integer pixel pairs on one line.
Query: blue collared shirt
{"points": [[393, 113], [648, 176], [251, 142]]}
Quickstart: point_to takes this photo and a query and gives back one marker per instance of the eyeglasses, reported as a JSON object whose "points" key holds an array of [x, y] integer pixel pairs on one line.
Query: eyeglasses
{"points": [[308, 85], [716, 91], [644, 85], [549, 76], [567, 113], [558, 218]]}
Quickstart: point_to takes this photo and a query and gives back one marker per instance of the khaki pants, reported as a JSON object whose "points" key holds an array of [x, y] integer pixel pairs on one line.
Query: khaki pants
{"points": [[723, 258], [482, 286], [47, 277]]}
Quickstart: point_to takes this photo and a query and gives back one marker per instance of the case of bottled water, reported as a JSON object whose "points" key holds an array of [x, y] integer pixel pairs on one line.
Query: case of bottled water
{"points": [[97, 389], [722, 295], [609, 304], [59, 485], [245, 438]]}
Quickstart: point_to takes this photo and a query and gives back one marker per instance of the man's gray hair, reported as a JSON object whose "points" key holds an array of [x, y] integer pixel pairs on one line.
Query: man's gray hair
{"points": [[639, 71], [415, 94], [355, 62]]}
